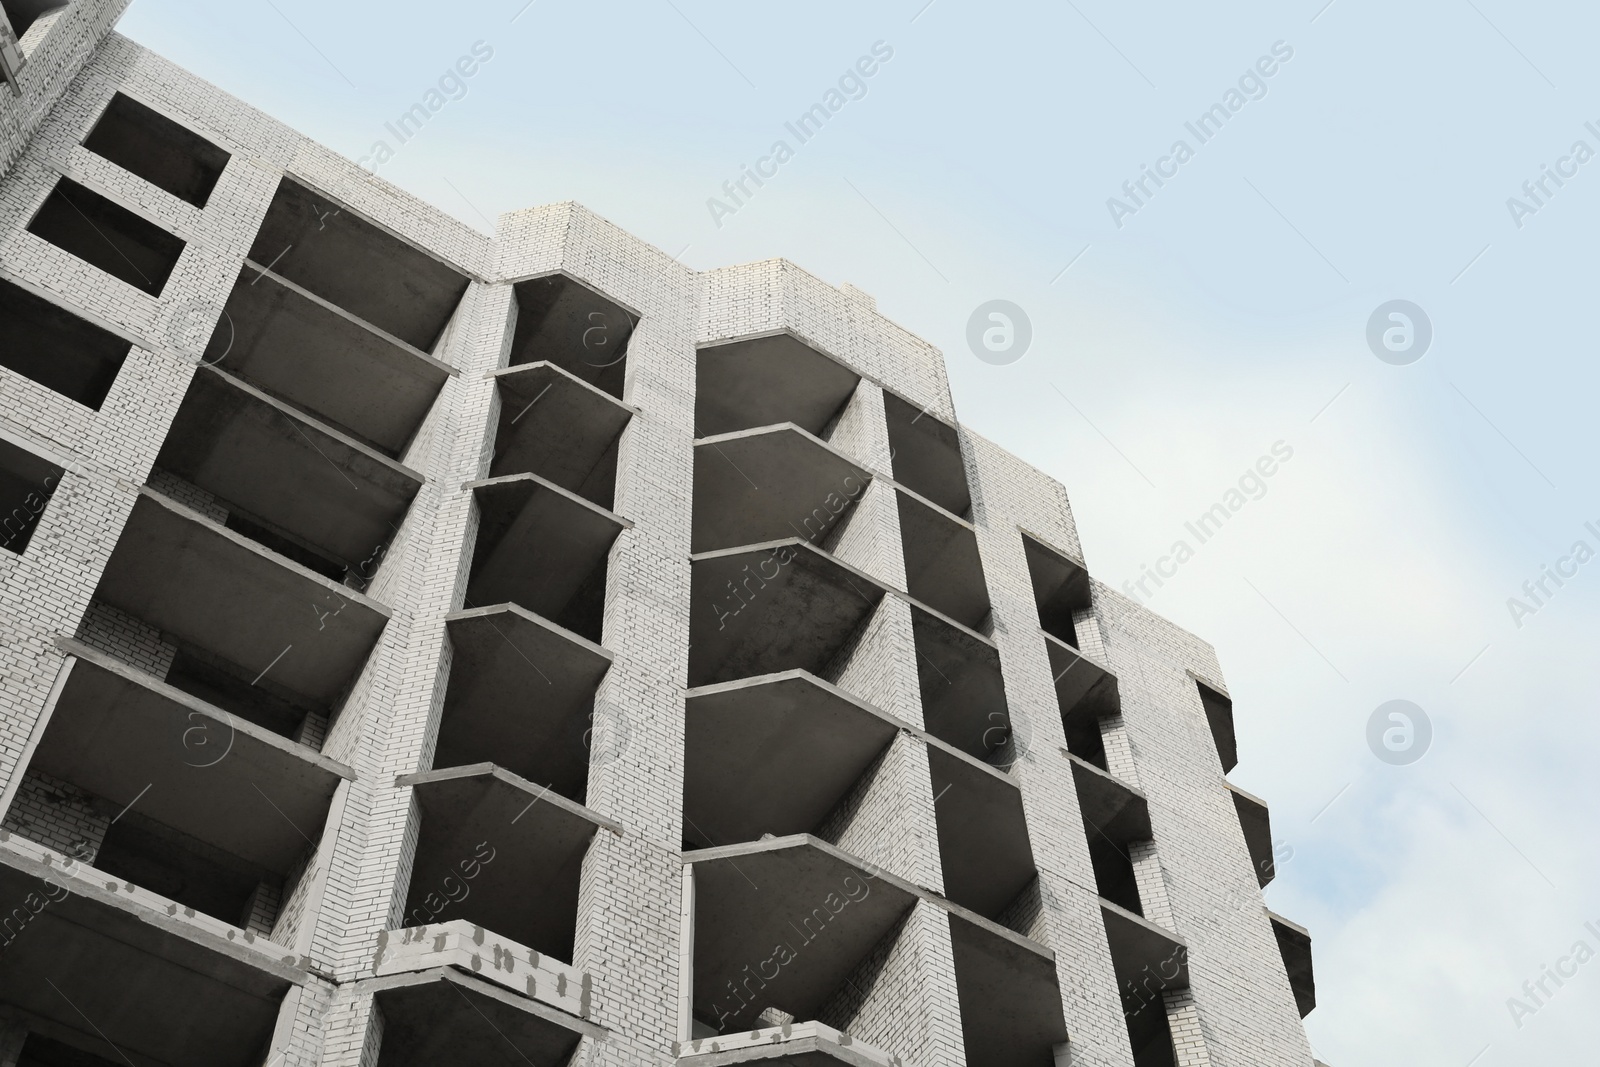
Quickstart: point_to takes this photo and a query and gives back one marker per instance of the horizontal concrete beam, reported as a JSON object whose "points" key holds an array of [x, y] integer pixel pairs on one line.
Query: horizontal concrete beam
{"points": [[777, 606], [983, 834], [1111, 808], [185, 574], [560, 427], [801, 1044], [761, 381], [1256, 823], [770, 483], [324, 360], [520, 693], [126, 736], [963, 693], [515, 846], [494, 958], [276, 463], [773, 754], [1294, 943], [942, 565]]}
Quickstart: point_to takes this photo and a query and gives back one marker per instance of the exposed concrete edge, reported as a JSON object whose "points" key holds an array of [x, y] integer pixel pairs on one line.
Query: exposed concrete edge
{"points": [[966, 631], [1080, 764], [59, 300], [1274, 917], [1209, 683], [969, 761], [1251, 797], [1052, 639], [185, 230], [569, 270], [1046, 542], [822, 556], [216, 529], [800, 673], [792, 1039], [942, 512], [73, 647], [512, 371], [1139, 920], [495, 772], [487, 989], [526, 616], [571, 497]]}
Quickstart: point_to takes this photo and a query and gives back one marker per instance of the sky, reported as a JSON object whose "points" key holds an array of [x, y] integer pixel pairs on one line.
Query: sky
{"points": [[1179, 333]]}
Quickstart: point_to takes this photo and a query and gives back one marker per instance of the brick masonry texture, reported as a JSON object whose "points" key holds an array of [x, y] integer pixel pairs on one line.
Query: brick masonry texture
{"points": [[350, 886]]}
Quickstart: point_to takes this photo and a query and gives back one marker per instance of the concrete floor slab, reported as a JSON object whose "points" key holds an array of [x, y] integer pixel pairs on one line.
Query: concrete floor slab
{"points": [[942, 565], [1147, 959], [777, 606], [559, 427], [1010, 1000], [526, 842], [1294, 943], [445, 1016], [183, 573], [123, 735], [564, 321], [1060, 587], [1256, 823], [1084, 689], [538, 545], [983, 834], [325, 361], [358, 265], [773, 754], [800, 1044], [770, 483], [963, 694], [273, 462], [927, 455], [521, 694], [761, 381], [1111, 808], [795, 911], [154, 986]]}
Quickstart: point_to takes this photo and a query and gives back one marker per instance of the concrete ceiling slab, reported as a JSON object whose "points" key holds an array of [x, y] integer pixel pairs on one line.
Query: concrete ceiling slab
{"points": [[754, 900], [158, 991], [528, 889], [963, 694], [942, 565], [1147, 959], [1111, 808], [769, 483], [559, 427], [1010, 1000], [270, 460], [1084, 689], [1060, 587], [537, 544], [183, 573], [357, 265], [565, 322], [778, 606], [983, 834], [444, 1016], [761, 381], [773, 754], [1219, 716], [1294, 943], [123, 735], [1256, 823], [521, 694], [927, 455], [813, 1050], [318, 357]]}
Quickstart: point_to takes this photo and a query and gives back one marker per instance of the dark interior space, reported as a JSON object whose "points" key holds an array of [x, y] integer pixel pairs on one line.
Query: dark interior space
{"points": [[146, 143], [566, 323], [108, 236], [26, 482], [52, 346]]}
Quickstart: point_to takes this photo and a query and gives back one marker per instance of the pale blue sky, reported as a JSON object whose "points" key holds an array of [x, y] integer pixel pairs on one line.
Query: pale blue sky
{"points": [[1222, 317]]}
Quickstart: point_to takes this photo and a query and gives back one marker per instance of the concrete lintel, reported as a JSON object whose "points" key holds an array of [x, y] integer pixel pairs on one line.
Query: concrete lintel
{"points": [[773, 754], [1256, 823], [1083, 686], [773, 378], [277, 463], [963, 693], [1294, 944], [179, 571], [319, 357], [556, 425], [116, 730], [800, 1044], [776, 606], [525, 842], [1148, 959], [538, 543], [1009, 993], [983, 833], [942, 565], [521, 691], [1117, 811], [488, 955], [796, 907], [446, 1016], [770, 482]]}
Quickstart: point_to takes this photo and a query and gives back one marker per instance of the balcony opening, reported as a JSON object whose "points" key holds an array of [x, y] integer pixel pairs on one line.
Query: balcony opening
{"points": [[1219, 717], [927, 456], [251, 697], [41, 1051], [164, 153], [963, 693], [1294, 945], [1150, 1033], [24, 13], [769, 484], [27, 482], [1255, 822], [182, 869], [1149, 962], [1060, 590], [381, 279], [983, 834], [560, 427], [50, 345], [565, 323], [763, 381], [1010, 1000], [108, 236], [943, 569]]}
